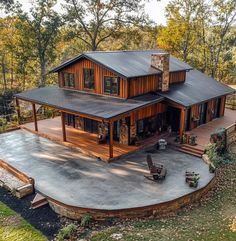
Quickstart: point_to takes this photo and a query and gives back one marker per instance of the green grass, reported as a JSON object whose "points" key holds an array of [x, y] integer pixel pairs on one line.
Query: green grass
{"points": [[209, 221], [15, 228]]}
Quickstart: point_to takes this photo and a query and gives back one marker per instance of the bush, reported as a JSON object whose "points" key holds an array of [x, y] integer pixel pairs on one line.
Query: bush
{"points": [[86, 220], [66, 232]]}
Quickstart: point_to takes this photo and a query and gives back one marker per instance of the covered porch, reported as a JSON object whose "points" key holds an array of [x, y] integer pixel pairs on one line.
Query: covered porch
{"points": [[86, 142], [94, 118]]}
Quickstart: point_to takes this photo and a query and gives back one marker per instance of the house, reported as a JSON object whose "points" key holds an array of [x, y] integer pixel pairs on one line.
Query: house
{"points": [[129, 95]]}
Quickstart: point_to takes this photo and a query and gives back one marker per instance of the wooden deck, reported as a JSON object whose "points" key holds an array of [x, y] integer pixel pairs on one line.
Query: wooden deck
{"points": [[204, 132], [86, 142]]}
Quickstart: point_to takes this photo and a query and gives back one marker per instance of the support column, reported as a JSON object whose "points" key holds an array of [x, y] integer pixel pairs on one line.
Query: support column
{"points": [[63, 126], [35, 117], [18, 110], [182, 121], [111, 139]]}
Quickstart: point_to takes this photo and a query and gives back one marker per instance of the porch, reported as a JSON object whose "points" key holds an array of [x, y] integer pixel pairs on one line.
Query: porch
{"points": [[204, 132], [86, 142]]}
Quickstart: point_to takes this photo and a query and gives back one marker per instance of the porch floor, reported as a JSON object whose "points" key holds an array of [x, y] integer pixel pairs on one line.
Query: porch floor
{"points": [[204, 132], [86, 142]]}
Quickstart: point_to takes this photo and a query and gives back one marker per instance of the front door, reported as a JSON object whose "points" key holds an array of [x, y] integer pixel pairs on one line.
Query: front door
{"points": [[203, 114], [217, 108]]}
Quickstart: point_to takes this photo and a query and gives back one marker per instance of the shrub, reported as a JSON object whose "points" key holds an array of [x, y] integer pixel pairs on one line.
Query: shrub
{"points": [[86, 220], [66, 232]]}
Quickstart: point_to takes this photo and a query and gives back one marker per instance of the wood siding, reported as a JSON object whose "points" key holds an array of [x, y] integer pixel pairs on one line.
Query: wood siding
{"points": [[195, 111], [148, 111], [143, 85], [177, 77], [99, 73]]}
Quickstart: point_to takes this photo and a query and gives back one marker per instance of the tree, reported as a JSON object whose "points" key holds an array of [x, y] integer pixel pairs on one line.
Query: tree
{"points": [[42, 27], [94, 21], [179, 37]]}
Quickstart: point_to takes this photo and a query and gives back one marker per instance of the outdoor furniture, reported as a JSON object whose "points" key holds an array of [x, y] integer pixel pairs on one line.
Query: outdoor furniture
{"points": [[162, 144], [192, 178], [157, 171]]}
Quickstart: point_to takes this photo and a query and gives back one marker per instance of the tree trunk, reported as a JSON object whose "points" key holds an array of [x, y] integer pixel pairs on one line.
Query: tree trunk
{"points": [[42, 81], [4, 73]]}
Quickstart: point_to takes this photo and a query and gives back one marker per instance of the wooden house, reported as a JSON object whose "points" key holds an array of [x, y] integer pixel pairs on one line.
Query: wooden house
{"points": [[126, 96]]}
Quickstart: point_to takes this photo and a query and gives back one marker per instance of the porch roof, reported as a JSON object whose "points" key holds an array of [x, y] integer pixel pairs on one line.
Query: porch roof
{"points": [[92, 105], [197, 89]]}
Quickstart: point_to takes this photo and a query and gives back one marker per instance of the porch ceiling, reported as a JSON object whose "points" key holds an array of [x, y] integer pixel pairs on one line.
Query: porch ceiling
{"points": [[92, 105]]}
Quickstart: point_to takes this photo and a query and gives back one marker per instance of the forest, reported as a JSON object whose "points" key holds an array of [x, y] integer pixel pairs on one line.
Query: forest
{"points": [[200, 32]]}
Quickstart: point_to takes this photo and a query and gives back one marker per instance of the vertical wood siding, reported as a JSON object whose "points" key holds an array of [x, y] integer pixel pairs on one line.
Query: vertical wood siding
{"points": [[143, 85], [148, 111], [177, 77], [195, 111], [99, 73]]}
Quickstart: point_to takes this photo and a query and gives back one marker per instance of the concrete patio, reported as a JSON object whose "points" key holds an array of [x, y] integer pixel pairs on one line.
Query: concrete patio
{"points": [[75, 179]]}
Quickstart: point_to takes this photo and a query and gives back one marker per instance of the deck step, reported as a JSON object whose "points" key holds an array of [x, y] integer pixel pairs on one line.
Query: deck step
{"points": [[38, 201], [190, 150], [197, 151]]}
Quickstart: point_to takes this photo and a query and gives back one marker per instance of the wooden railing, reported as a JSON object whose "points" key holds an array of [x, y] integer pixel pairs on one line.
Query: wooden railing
{"points": [[231, 134]]}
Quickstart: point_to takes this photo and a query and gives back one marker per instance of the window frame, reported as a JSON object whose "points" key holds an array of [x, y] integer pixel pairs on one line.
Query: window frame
{"points": [[70, 82], [91, 75], [110, 78]]}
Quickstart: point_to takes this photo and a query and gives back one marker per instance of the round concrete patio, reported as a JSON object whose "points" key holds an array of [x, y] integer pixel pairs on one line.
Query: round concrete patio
{"points": [[76, 180]]}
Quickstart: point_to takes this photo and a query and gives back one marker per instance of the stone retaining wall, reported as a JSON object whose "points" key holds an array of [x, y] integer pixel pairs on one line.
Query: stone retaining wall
{"points": [[152, 210]]}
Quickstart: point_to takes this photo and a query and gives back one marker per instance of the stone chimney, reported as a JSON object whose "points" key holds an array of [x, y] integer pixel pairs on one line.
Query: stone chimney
{"points": [[162, 62]]}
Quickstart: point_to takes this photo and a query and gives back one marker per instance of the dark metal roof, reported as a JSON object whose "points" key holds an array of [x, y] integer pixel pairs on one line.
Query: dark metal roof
{"points": [[104, 107], [128, 64], [197, 88]]}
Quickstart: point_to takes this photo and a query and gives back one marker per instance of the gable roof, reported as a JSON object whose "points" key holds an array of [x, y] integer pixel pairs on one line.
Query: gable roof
{"points": [[197, 88], [128, 64]]}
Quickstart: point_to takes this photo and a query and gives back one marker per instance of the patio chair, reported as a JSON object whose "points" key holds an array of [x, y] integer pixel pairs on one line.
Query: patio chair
{"points": [[157, 171]]}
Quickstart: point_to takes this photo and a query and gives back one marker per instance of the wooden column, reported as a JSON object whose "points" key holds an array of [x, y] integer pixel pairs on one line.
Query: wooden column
{"points": [[182, 121], [63, 126], [35, 117], [111, 139], [18, 110]]}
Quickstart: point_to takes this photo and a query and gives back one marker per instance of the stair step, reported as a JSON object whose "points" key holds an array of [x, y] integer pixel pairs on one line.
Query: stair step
{"points": [[190, 152], [38, 201], [191, 147]]}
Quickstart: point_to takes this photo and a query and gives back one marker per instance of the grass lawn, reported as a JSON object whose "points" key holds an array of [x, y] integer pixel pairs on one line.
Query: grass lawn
{"points": [[210, 220], [14, 228]]}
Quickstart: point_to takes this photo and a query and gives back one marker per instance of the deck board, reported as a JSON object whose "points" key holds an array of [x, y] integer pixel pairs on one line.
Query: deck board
{"points": [[84, 140]]}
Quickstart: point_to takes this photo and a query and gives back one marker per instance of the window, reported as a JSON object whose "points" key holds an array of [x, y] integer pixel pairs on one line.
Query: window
{"points": [[69, 80], [111, 85], [89, 79]]}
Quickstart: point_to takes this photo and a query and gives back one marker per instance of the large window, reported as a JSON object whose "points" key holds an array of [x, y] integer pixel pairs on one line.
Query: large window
{"points": [[89, 79], [111, 85], [69, 80]]}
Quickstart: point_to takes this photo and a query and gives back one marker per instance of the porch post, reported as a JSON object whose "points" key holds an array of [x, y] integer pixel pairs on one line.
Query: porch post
{"points": [[35, 117], [63, 126], [111, 139], [182, 121], [18, 110]]}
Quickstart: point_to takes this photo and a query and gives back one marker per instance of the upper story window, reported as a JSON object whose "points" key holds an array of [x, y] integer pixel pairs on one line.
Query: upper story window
{"points": [[89, 82], [69, 80], [111, 85]]}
